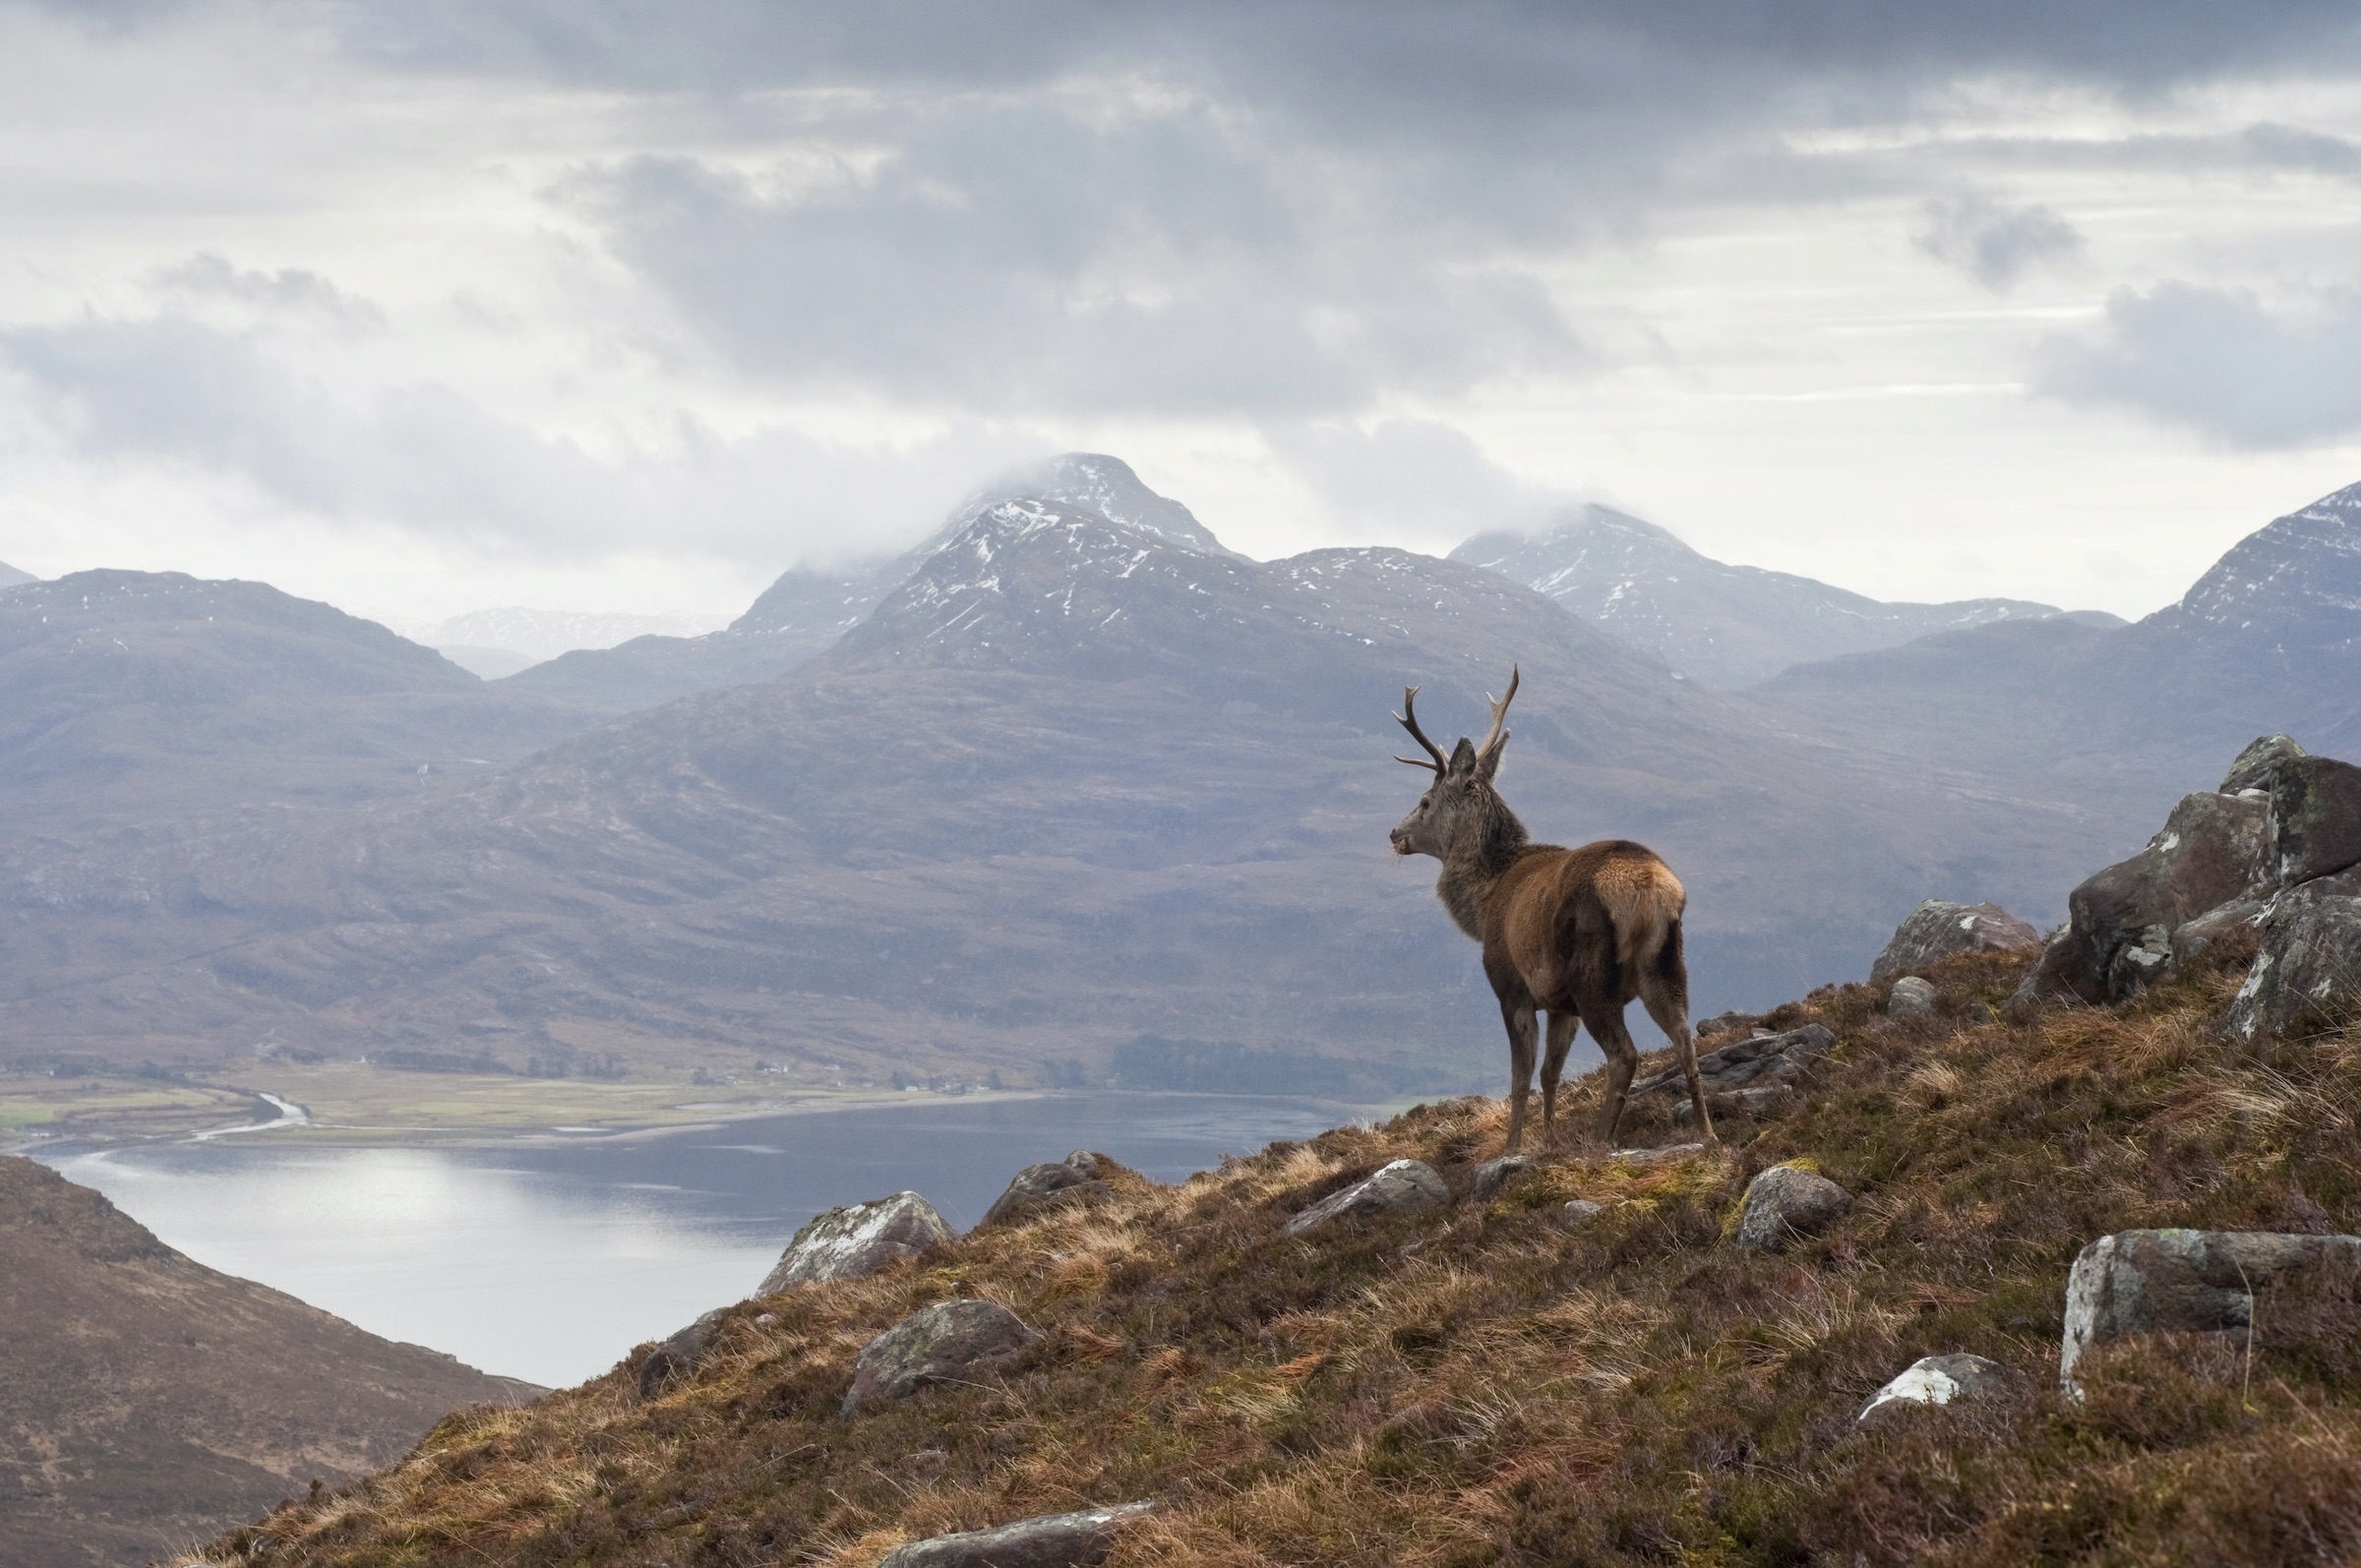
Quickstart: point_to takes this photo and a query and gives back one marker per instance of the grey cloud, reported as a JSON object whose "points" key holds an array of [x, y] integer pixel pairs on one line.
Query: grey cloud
{"points": [[1993, 242], [207, 275], [1414, 477], [167, 388], [2219, 361]]}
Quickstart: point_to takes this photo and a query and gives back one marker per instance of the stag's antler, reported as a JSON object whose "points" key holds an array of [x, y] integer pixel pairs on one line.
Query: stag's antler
{"points": [[1494, 742], [1408, 718]]}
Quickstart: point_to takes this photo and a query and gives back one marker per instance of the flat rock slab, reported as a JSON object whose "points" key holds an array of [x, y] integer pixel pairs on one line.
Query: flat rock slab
{"points": [[932, 1345], [1072, 1179], [1785, 1202], [2148, 1282], [1489, 1178], [679, 1357], [1936, 931], [1763, 1100], [1052, 1540], [1403, 1188], [1761, 1059], [1939, 1380], [1670, 1151], [858, 1238]]}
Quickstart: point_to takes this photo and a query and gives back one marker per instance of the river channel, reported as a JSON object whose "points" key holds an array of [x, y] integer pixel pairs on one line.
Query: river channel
{"points": [[548, 1258]]}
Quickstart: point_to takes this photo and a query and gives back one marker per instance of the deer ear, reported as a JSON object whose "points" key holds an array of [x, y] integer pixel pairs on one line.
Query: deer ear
{"points": [[1463, 759], [1488, 762]]}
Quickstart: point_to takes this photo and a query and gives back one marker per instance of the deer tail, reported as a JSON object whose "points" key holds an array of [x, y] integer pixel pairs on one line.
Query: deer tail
{"points": [[1645, 901]]}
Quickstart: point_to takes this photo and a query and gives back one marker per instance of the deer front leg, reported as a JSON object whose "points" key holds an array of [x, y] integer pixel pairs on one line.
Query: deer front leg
{"points": [[1562, 1024], [1522, 1032]]}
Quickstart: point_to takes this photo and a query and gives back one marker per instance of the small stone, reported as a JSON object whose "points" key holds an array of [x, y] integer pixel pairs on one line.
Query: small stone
{"points": [[1404, 1186], [679, 1357], [1938, 1380], [1670, 1151], [1911, 998], [1072, 1179], [1490, 1176], [1577, 1212], [767, 1319], [859, 1238], [2146, 1282], [1785, 1202], [1052, 1540], [949, 1339]]}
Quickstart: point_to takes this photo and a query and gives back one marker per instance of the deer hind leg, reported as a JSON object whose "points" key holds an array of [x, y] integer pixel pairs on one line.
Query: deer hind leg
{"points": [[1562, 1023], [1521, 1030], [1605, 1023], [1663, 986]]}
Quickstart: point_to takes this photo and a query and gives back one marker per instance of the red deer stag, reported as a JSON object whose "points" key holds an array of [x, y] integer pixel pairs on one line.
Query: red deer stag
{"points": [[1576, 933]]}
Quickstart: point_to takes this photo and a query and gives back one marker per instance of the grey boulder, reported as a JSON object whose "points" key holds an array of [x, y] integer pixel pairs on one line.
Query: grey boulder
{"points": [[2254, 767], [2146, 1282], [2315, 818], [1051, 1541], [1934, 1380], [859, 1238], [1490, 1176], [1785, 1202], [935, 1343], [1911, 998], [2309, 966], [2214, 850], [1072, 1179], [1936, 931], [1575, 1213], [1404, 1186], [1762, 1061], [680, 1357]]}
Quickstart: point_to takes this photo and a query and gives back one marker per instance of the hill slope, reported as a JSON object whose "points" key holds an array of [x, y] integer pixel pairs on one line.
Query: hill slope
{"points": [[1726, 626], [145, 1400], [1480, 1384]]}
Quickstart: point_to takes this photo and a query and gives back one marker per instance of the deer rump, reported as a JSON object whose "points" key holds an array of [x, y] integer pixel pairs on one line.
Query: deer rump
{"points": [[1596, 923]]}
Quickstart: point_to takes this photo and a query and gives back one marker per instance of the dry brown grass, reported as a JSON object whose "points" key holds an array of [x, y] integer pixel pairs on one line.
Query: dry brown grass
{"points": [[1483, 1386]]}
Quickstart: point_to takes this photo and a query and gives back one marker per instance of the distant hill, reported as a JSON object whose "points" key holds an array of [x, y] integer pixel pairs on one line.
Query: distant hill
{"points": [[10, 577], [146, 1401], [1069, 784], [1730, 627], [808, 609]]}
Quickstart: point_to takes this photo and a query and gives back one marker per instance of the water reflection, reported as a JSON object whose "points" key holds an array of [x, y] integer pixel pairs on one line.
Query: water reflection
{"points": [[547, 1259]]}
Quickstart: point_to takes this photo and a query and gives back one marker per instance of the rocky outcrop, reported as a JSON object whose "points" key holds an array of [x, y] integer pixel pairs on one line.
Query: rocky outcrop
{"points": [[2214, 850], [1935, 1381], [2308, 970], [1765, 1060], [1911, 998], [2315, 818], [1489, 1178], [1405, 1186], [1785, 1202], [1072, 1179], [2253, 767], [859, 1238], [1051, 1541], [1936, 931], [2146, 1282], [946, 1341], [678, 1358]]}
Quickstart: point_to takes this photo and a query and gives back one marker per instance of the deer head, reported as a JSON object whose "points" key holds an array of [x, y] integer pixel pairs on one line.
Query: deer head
{"points": [[1461, 814]]}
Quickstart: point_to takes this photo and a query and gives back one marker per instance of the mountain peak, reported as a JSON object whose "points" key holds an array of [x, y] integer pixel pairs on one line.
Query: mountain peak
{"points": [[1102, 484], [2297, 577]]}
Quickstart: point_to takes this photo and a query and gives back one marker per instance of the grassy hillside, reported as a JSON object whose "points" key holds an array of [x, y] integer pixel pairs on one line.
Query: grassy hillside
{"points": [[1483, 1385]]}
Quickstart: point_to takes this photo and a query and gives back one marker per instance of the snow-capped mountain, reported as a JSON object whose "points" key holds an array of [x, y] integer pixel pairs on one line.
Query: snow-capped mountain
{"points": [[1726, 626]]}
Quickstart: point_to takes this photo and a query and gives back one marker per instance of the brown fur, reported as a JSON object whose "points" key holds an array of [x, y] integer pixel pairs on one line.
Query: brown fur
{"points": [[1578, 934]]}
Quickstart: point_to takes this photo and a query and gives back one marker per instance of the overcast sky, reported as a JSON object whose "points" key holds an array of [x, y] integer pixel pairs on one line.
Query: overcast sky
{"points": [[596, 305]]}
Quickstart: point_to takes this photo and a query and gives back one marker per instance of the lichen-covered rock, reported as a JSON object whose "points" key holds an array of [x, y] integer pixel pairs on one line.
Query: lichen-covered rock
{"points": [[2202, 933], [1763, 1059], [949, 1339], [1659, 1155], [1936, 931], [2254, 767], [1051, 1541], [679, 1357], [2315, 818], [1785, 1202], [858, 1238], [1939, 1380], [2308, 969], [2214, 850], [1072, 1179], [2145, 1281], [1403, 1188], [1490, 1176], [1911, 998]]}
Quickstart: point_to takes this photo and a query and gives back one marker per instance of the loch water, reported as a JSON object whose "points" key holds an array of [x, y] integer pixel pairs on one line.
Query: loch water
{"points": [[548, 1258]]}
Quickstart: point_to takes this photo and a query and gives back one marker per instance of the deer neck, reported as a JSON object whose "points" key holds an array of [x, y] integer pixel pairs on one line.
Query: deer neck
{"points": [[1490, 846]]}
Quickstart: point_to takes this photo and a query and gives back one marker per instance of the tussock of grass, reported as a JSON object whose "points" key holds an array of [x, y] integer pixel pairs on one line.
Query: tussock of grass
{"points": [[1483, 1386]]}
